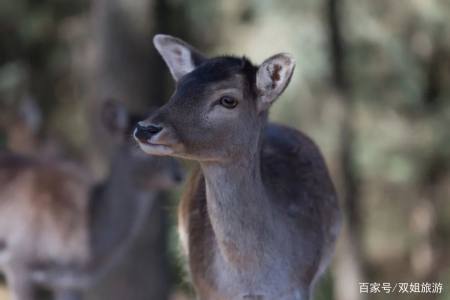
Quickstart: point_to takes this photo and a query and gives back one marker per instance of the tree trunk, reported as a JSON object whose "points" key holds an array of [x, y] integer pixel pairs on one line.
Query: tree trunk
{"points": [[125, 70], [349, 266]]}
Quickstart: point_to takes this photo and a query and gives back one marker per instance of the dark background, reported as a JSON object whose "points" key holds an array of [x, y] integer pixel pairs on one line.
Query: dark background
{"points": [[372, 87]]}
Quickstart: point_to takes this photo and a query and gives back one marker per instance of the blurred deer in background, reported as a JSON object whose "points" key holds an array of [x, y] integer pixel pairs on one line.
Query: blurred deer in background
{"points": [[61, 232], [21, 123], [260, 218]]}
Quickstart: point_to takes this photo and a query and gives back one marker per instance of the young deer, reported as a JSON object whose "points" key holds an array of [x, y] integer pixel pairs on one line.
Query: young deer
{"points": [[60, 232], [260, 218]]}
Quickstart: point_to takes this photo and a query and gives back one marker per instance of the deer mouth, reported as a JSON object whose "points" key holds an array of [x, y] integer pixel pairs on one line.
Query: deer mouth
{"points": [[155, 149]]}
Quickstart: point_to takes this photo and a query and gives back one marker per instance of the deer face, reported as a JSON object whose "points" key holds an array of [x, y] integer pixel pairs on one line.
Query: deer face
{"points": [[146, 172], [219, 106]]}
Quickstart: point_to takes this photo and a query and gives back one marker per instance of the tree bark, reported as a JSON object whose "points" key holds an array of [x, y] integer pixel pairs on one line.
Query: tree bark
{"points": [[349, 266]]}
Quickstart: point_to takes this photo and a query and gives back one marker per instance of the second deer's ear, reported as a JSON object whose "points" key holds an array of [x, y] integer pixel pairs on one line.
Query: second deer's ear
{"points": [[180, 57], [273, 77], [114, 117]]}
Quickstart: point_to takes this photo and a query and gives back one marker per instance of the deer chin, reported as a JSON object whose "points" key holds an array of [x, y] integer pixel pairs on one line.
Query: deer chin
{"points": [[155, 149]]}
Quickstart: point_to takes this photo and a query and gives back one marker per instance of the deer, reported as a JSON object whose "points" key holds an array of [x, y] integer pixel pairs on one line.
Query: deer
{"points": [[21, 126], [259, 217], [60, 230]]}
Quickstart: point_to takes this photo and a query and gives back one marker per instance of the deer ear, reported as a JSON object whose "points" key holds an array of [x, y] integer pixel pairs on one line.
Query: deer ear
{"points": [[114, 117], [273, 77], [180, 57]]}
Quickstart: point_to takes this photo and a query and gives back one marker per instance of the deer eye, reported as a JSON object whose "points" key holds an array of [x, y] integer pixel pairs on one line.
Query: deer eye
{"points": [[228, 102]]}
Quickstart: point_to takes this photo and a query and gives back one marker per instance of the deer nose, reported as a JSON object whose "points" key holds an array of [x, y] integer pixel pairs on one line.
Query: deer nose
{"points": [[145, 132]]}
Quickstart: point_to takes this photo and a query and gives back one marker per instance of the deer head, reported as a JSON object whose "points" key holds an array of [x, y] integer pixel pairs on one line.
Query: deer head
{"points": [[219, 107]]}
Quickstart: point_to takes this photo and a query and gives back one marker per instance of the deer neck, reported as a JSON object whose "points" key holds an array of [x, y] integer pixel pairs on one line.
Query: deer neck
{"points": [[117, 209], [238, 207]]}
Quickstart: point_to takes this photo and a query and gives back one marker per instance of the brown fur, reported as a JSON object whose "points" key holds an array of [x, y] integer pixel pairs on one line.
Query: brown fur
{"points": [[49, 209], [59, 231], [260, 218], [293, 157]]}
